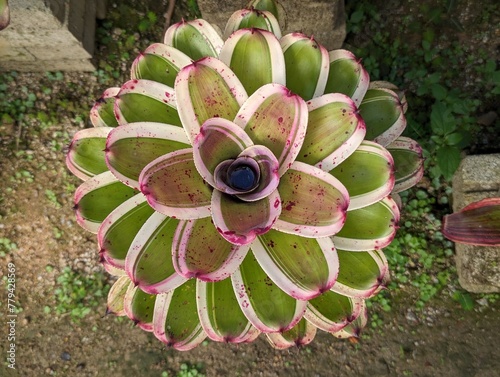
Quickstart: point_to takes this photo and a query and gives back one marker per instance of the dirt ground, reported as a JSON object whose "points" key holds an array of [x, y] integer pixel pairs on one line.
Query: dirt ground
{"points": [[36, 215]]}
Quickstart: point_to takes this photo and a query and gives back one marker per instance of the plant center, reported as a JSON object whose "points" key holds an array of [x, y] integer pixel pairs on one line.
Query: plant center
{"points": [[242, 178]]}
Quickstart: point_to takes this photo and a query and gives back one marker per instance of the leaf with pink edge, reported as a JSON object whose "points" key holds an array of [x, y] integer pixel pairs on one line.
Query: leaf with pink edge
{"points": [[476, 224], [256, 57], [207, 89], [219, 140], [114, 271], [277, 119], [146, 101], [196, 38], [252, 18], [332, 311], [139, 307], [149, 259], [119, 229], [353, 329], [383, 114], [367, 174], [389, 85], [265, 305], [4, 14], [160, 63], [175, 320], [239, 222], [130, 148], [314, 203], [272, 6], [173, 186], [347, 75], [116, 296], [97, 197], [408, 163], [220, 315], [334, 131], [85, 156], [369, 228], [307, 65], [198, 250], [102, 113], [302, 267], [301, 334], [362, 273]]}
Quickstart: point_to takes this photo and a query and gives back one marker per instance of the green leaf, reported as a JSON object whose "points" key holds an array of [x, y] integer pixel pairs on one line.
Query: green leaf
{"points": [[362, 273], [302, 267], [464, 299], [347, 75], [369, 228], [265, 5], [139, 307], [176, 322], [367, 174], [102, 113], [252, 18], [159, 63], [332, 311], [120, 228], [408, 163], [307, 65], [439, 92], [442, 121], [255, 56], [220, 314], [448, 160], [301, 334], [334, 131], [116, 296], [129, 149], [383, 114], [200, 251], [264, 304], [196, 38], [146, 101], [454, 138], [97, 197], [149, 259], [4, 14], [195, 87], [86, 157]]}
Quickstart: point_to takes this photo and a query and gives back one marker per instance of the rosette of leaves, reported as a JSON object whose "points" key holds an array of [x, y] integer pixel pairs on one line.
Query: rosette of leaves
{"points": [[243, 186]]}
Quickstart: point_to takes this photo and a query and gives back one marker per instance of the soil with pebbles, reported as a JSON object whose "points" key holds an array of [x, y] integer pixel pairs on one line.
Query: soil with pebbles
{"points": [[443, 340]]}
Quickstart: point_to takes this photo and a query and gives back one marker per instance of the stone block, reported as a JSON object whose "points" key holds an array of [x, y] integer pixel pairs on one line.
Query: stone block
{"points": [[325, 19], [478, 267], [49, 35]]}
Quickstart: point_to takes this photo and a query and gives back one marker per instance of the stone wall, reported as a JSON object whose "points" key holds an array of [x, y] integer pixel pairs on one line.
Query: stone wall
{"points": [[49, 35]]}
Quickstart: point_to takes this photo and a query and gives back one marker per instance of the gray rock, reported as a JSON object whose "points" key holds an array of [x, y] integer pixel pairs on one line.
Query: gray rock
{"points": [[478, 267]]}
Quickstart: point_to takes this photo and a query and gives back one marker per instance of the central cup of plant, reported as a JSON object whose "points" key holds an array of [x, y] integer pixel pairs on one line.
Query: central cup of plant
{"points": [[244, 186]]}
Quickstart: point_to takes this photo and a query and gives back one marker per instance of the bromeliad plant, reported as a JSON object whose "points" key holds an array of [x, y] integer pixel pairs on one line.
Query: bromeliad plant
{"points": [[244, 186]]}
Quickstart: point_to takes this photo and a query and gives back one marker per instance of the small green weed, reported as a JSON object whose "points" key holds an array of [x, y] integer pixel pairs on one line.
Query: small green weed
{"points": [[188, 370], [6, 246], [52, 197], [78, 294]]}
